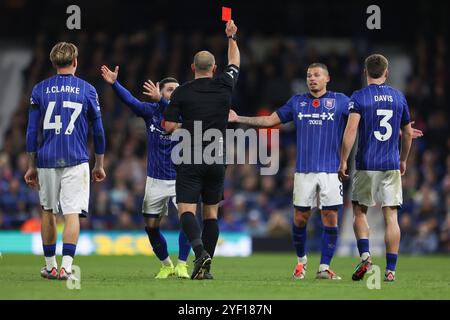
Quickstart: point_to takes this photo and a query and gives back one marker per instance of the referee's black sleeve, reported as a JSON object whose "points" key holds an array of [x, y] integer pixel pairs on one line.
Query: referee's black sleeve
{"points": [[230, 75], [173, 110]]}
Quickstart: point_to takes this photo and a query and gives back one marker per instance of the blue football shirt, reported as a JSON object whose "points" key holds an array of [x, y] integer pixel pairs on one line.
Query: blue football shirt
{"points": [[383, 111], [67, 104], [320, 124], [159, 143]]}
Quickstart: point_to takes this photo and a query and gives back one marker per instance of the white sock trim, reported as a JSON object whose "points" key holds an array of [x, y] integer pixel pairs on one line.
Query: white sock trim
{"points": [[167, 262], [323, 267], [50, 263], [67, 263], [303, 259], [365, 256]]}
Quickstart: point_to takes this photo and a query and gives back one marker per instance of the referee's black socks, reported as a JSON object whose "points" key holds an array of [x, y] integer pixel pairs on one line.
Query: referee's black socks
{"points": [[192, 231], [210, 235]]}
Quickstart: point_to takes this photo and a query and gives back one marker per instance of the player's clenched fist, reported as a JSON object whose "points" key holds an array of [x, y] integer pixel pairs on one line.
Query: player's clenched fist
{"points": [[98, 174], [232, 116]]}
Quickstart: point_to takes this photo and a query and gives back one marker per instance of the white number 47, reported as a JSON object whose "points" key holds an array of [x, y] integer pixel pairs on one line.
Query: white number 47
{"points": [[57, 125]]}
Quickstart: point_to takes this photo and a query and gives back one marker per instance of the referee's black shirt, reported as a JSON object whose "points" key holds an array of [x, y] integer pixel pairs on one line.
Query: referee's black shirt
{"points": [[204, 99]]}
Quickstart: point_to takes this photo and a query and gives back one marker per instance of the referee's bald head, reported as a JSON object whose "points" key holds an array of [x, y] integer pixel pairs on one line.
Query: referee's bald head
{"points": [[204, 62]]}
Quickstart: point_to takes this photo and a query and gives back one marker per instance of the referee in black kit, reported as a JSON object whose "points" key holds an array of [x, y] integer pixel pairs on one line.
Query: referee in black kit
{"points": [[206, 99]]}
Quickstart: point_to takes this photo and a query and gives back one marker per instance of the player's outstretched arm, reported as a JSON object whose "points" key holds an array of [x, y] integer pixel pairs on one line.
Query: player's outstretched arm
{"points": [[140, 108], [347, 142], [407, 136], [233, 50], [264, 121]]}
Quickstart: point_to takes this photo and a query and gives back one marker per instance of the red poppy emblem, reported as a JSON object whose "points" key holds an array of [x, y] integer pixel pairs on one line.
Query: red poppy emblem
{"points": [[316, 103]]}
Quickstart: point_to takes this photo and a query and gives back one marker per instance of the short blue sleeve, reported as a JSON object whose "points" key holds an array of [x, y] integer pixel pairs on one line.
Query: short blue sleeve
{"points": [[353, 104], [286, 112], [344, 101]]}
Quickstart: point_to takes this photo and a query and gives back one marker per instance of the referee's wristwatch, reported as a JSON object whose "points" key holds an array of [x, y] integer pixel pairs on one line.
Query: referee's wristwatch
{"points": [[234, 37]]}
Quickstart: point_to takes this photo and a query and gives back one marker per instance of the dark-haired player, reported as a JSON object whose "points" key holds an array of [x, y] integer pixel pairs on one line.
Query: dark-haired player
{"points": [[160, 186]]}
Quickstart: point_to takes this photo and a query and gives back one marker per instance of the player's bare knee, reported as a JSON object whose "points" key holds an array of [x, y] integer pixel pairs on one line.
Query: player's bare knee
{"points": [[359, 211], [330, 218], [301, 218]]}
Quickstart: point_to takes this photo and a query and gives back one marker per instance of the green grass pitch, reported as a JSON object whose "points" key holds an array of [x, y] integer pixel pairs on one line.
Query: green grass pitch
{"points": [[261, 276]]}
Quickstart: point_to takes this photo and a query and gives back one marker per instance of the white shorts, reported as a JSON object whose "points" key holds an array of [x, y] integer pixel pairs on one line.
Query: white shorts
{"points": [[372, 186], [157, 195], [320, 190], [65, 190]]}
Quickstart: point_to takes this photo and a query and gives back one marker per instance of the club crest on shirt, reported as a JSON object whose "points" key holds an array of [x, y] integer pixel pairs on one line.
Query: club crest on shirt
{"points": [[329, 103]]}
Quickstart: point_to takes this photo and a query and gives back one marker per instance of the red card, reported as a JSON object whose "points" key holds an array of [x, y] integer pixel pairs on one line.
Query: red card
{"points": [[226, 14]]}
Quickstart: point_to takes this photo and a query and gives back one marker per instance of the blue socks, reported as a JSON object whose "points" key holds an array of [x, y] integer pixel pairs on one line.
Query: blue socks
{"points": [[184, 247], [69, 249], [329, 240], [299, 240], [158, 243], [363, 246], [391, 261], [49, 250]]}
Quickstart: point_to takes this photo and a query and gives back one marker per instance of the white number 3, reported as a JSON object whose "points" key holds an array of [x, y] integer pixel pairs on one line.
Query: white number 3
{"points": [[57, 125], [387, 114]]}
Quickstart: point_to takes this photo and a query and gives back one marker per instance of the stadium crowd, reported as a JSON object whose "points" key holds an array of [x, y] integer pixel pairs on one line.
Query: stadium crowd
{"points": [[273, 69]]}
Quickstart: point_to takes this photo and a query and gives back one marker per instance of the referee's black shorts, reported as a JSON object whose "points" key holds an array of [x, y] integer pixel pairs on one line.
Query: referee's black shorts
{"points": [[195, 180]]}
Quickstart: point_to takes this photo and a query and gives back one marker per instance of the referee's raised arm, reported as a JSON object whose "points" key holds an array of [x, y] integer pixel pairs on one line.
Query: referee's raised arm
{"points": [[234, 56]]}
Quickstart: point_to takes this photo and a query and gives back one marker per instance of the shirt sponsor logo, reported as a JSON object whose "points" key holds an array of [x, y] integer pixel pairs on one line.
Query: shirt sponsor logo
{"points": [[316, 118]]}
